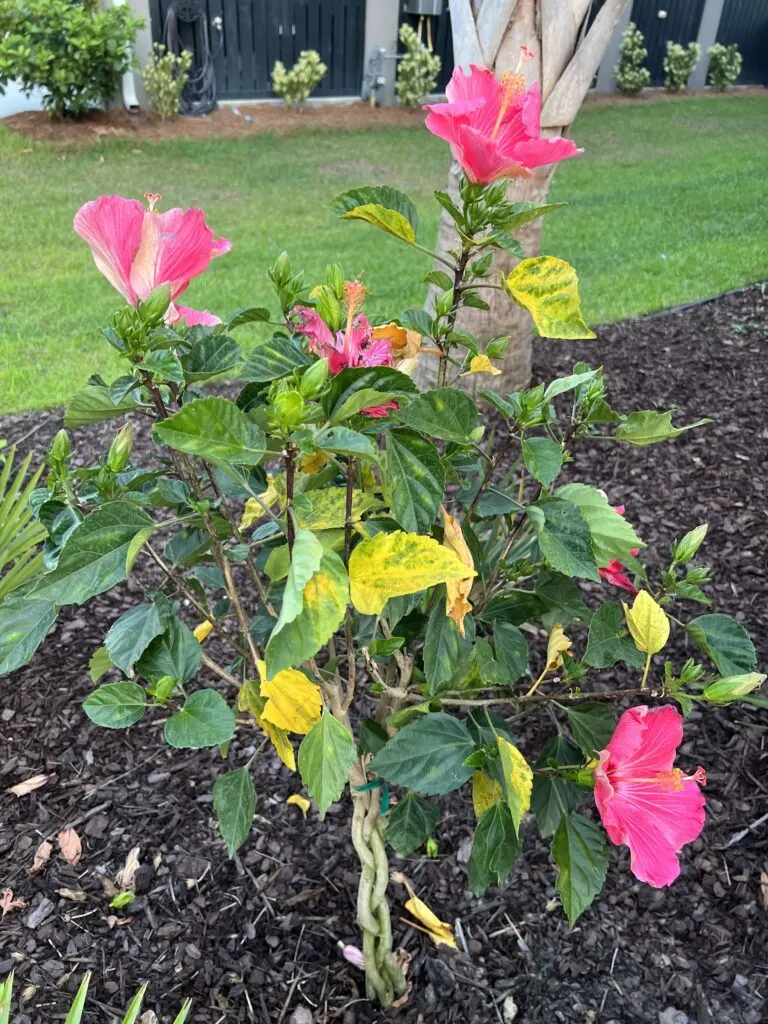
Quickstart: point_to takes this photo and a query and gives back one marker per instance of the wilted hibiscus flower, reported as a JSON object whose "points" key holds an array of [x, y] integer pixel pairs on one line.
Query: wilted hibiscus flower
{"points": [[138, 249], [494, 126], [646, 803]]}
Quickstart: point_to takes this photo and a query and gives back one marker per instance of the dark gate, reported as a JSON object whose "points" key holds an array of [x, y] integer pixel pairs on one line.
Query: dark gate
{"points": [[253, 34], [681, 25], [746, 22]]}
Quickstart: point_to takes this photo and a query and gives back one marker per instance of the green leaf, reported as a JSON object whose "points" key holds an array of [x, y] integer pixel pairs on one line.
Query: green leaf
{"points": [[444, 647], [543, 458], [444, 413], [75, 1014], [563, 384], [326, 757], [324, 605], [726, 642], [387, 382], [249, 315], [416, 479], [92, 404], [306, 557], [94, 557], [427, 755], [206, 720], [564, 538], [511, 650], [592, 726], [527, 211], [649, 427], [214, 429], [548, 288], [391, 199], [273, 359], [350, 443], [411, 823], [211, 356], [131, 634], [163, 365], [612, 535], [440, 279], [580, 853], [234, 801], [23, 627], [388, 220], [561, 600], [609, 640], [495, 849], [358, 402], [99, 664], [116, 705], [418, 320], [553, 797], [508, 243], [175, 653]]}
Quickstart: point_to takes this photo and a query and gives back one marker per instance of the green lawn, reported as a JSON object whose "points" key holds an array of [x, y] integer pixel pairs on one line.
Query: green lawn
{"points": [[667, 204]]}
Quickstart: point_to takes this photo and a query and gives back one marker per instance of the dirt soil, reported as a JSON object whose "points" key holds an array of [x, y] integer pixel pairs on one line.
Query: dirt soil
{"points": [[255, 939], [252, 118]]}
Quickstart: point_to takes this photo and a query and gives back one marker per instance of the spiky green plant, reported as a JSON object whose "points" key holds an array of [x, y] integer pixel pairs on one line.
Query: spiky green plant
{"points": [[20, 533], [78, 1004]]}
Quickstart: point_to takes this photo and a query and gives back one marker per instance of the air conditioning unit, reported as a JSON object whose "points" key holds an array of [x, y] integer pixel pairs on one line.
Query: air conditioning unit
{"points": [[424, 6]]}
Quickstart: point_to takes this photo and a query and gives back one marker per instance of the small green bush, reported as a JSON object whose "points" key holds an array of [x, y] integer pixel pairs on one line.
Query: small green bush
{"points": [[165, 75], [298, 84], [724, 65], [21, 536], [631, 75], [76, 53], [417, 71], [679, 64]]}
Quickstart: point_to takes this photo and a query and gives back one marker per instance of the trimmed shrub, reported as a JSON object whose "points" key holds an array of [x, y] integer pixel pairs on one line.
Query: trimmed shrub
{"points": [[165, 75], [631, 74], [417, 71], [298, 84], [724, 65], [679, 65]]}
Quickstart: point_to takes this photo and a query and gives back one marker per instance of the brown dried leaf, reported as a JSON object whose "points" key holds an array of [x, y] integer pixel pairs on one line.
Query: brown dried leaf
{"points": [[42, 855], [76, 895], [70, 846], [8, 903], [22, 788], [126, 876]]}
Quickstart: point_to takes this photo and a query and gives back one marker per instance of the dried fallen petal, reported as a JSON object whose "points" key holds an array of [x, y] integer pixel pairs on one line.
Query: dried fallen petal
{"points": [[22, 788], [42, 855], [70, 846]]}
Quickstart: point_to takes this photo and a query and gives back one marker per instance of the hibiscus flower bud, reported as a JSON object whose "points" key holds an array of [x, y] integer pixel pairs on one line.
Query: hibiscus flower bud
{"points": [[120, 450], [731, 688], [314, 378], [686, 548]]}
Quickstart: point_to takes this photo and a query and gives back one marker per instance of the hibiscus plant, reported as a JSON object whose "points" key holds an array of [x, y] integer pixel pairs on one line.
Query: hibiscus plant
{"points": [[392, 575]]}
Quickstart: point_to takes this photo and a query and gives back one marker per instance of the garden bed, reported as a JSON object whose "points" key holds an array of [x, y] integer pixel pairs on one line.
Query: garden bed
{"points": [[254, 939]]}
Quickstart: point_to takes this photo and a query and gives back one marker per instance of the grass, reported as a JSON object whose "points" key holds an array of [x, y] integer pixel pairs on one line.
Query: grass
{"points": [[667, 205]]}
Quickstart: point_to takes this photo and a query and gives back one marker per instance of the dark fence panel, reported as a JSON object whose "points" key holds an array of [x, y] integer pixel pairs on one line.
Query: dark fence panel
{"points": [[681, 25], [256, 33], [746, 22]]}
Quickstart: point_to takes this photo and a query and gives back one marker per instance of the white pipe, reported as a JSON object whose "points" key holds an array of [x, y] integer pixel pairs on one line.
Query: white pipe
{"points": [[130, 99]]}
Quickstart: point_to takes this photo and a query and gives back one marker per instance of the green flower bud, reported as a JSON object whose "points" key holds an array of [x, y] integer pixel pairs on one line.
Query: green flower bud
{"points": [[287, 410], [731, 688], [334, 278], [153, 308], [329, 308], [585, 777], [314, 378], [686, 548], [120, 450], [61, 447]]}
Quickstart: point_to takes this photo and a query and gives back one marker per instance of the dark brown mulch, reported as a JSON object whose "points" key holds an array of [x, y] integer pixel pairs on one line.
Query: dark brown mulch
{"points": [[255, 939], [227, 121]]}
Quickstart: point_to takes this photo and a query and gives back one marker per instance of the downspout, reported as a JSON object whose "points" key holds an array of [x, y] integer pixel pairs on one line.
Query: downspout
{"points": [[130, 99]]}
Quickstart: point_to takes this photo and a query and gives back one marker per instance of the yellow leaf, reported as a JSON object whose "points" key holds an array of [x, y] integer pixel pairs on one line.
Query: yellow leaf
{"points": [[254, 511], [202, 631], [481, 364], [557, 644], [313, 463], [329, 508], [388, 220], [280, 741], [457, 591], [440, 932], [647, 623], [486, 793], [548, 289], [249, 699], [294, 703], [299, 801], [393, 564], [518, 780]]}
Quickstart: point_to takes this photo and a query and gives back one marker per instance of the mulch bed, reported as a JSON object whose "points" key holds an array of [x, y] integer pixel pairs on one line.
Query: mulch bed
{"points": [[254, 939], [252, 118]]}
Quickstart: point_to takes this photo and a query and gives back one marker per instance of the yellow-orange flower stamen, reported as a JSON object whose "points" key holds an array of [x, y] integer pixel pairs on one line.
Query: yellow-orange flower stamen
{"points": [[512, 85], [152, 198]]}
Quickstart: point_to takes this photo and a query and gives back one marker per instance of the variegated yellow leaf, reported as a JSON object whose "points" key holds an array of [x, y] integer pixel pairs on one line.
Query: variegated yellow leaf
{"points": [[299, 801], [548, 288], [328, 509], [393, 564], [294, 703], [486, 793], [647, 623], [518, 780], [457, 591], [481, 364]]}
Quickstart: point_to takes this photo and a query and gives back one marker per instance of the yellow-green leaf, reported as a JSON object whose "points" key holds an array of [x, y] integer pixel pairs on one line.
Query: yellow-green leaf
{"points": [[518, 780], [647, 623], [294, 702], [393, 564], [388, 220], [327, 509], [548, 288], [481, 364], [486, 793]]}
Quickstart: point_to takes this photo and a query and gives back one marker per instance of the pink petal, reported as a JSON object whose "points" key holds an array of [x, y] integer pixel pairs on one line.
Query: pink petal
{"points": [[111, 225], [312, 326], [380, 412], [377, 353], [645, 741], [614, 574], [539, 152], [193, 317], [176, 246], [478, 155], [530, 110]]}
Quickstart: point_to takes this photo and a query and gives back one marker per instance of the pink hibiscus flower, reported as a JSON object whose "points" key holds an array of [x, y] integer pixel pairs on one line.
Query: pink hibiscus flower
{"points": [[494, 126], [644, 801], [137, 249]]}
